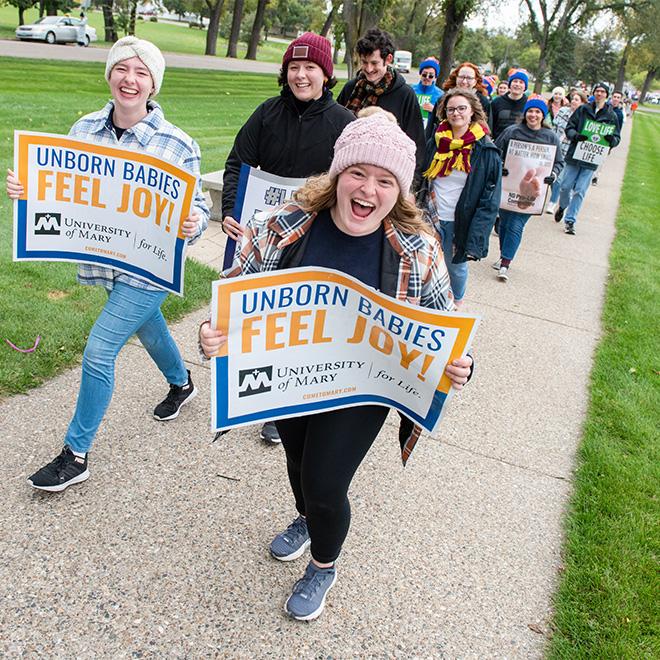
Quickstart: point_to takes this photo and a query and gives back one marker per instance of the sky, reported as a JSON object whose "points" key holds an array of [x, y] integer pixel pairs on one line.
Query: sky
{"points": [[504, 16]]}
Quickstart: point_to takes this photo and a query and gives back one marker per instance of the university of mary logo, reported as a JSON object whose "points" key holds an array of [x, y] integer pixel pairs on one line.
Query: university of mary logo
{"points": [[47, 224], [254, 381]]}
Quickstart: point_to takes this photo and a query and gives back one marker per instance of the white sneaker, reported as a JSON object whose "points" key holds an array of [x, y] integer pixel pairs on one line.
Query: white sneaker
{"points": [[550, 208], [503, 274], [497, 265]]}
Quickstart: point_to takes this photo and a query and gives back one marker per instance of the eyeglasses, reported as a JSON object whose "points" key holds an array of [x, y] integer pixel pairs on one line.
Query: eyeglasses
{"points": [[428, 75], [465, 78], [459, 109]]}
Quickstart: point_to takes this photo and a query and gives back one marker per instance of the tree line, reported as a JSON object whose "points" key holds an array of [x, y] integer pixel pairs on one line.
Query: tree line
{"points": [[555, 42]]}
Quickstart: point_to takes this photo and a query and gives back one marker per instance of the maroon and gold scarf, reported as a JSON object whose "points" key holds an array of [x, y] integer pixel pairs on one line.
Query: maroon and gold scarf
{"points": [[453, 153]]}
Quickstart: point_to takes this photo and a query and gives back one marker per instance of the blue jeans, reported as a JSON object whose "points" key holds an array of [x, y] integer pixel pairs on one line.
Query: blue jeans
{"points": [[128, 311], [576, 180], [556, 187], [458, 273], [512, 224]]}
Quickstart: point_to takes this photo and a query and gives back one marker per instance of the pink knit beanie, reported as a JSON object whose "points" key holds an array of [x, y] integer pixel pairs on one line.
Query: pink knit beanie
{"points": [[375, 140], [312, 47]]}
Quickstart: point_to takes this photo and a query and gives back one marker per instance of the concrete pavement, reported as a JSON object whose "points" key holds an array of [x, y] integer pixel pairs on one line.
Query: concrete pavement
{"points": [[163, 552]]}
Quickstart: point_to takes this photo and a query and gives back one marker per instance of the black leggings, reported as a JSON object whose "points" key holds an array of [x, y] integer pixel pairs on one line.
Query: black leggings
{"points": [[323, 452]]}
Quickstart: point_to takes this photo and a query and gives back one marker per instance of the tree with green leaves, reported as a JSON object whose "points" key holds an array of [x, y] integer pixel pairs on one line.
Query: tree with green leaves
{"points": [[360, 16], [22, 5], [456, 12]]}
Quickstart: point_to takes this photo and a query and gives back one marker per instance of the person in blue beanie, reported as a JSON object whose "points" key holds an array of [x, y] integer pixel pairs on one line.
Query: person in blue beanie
{"points": [[428, 93], [508, 109], [512, 223]]}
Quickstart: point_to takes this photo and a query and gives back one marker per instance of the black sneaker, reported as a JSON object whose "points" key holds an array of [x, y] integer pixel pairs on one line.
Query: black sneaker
{"points": [[570, 228], [496, 226], [594, 181], [65, 470], [559, 214], [270, 434], [177, 397]]}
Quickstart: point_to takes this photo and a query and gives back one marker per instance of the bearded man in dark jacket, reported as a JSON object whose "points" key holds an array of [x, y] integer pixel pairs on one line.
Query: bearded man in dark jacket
{"points": [[378, 83]]}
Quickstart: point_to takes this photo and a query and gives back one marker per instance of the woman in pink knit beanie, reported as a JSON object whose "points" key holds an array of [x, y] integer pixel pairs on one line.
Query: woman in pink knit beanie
{"points": [[358, 219]]}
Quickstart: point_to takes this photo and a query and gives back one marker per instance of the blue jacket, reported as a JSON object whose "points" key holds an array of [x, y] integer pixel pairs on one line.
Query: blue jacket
{"points": [[478, 204]]}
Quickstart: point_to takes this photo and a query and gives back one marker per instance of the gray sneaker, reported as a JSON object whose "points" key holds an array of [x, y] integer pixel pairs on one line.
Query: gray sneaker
{"points": [[307, 599], [497, 265], [292, 542], [270, 434]]}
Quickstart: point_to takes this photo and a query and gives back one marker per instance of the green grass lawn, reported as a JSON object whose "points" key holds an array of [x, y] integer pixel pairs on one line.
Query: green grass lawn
{"points": [[607, 605], [170, 38], [42, 298]]}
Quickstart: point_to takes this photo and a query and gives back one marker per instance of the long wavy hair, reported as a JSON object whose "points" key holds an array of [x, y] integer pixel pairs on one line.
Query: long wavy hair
{"points": [[478, 114], [451, 82], [320, 192]]}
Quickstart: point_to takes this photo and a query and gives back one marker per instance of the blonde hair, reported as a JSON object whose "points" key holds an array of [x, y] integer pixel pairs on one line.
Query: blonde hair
{"points": [[320, 192]]}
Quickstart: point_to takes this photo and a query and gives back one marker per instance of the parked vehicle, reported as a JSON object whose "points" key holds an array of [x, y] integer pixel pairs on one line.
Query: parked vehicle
{"points": [[55, 30], [402, 60]]}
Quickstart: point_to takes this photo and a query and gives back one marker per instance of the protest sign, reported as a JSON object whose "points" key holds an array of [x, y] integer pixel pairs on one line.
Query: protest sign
{"points": [[422, 99], [306, 340], [91, 203], [258, 191], [528, 164], [595, 148]]}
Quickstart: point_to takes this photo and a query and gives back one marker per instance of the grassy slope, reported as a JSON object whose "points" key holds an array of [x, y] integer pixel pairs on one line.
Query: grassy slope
{"points": [[607, 604], [168, 37], [43, 298]]}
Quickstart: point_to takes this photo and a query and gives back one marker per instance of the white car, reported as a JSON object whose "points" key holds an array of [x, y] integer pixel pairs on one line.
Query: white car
{"points": [[55, 30]]}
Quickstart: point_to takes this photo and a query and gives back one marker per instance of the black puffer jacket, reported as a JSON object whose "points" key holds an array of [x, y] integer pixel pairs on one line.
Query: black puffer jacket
{"points": [[280, 140], [401, 101]]}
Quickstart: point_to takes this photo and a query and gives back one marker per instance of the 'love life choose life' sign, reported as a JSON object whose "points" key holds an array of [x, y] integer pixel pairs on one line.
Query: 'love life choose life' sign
{"points": [[91, 203], [306, 340]]}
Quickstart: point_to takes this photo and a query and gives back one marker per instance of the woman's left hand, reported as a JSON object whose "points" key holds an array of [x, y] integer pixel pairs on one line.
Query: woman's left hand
{"points": [[190, 225], [458, 372]]}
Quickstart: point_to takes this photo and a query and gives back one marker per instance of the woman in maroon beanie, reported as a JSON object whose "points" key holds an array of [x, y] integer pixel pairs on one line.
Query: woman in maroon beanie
{"points": [[291, 135]]}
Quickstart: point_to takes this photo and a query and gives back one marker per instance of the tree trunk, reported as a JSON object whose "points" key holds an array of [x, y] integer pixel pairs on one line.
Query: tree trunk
{"points": [[42, 7], [256, 30], [21, 16], [648, 81], [328, 22], [51, 8], [109, 22], [215, 10], [350, 35], [541, 70], [454, 19], [232, 46], [621, 75], [132, 17]]}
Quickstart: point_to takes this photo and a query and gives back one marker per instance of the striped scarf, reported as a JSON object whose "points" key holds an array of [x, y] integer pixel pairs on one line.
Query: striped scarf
{"points": [[365, 94], [453, 153]]}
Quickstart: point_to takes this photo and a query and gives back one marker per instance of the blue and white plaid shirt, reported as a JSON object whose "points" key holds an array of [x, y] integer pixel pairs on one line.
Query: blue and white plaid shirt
{"points": [[153, 135]]}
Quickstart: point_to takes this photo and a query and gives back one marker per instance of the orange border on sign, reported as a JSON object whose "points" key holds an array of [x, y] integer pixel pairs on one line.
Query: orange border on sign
{"points": [[26, 140], [226, 287]]}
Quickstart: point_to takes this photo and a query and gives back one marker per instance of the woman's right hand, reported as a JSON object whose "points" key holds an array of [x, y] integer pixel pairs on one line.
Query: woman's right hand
{"points": [[14, 186], [210, 340], [232, 228]]}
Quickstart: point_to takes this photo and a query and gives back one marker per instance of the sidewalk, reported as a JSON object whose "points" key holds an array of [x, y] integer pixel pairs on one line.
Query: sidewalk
{"points": [[163, 552]]}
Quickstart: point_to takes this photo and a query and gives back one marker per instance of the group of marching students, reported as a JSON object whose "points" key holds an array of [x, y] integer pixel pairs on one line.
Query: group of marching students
{"points": [[402, 190]]}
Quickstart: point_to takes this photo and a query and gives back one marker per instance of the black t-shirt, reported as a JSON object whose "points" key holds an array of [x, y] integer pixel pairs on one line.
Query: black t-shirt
{"points": [[118, 131], [329, 247]]}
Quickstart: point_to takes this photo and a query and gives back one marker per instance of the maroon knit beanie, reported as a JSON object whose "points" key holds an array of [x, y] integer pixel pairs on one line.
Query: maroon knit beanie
{"points": [[312, 47]]}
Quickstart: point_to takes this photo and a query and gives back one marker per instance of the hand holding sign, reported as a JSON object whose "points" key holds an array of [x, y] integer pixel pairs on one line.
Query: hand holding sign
{"points": [[14, 186]]}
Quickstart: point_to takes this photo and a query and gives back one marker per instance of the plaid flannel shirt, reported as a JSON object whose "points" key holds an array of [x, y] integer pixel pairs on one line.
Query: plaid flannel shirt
{"points": [[154, 135], [422, 277]]}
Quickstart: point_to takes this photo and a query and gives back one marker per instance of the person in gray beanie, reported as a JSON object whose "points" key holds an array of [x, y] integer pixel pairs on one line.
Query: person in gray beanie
{"points": [[131, 119]]}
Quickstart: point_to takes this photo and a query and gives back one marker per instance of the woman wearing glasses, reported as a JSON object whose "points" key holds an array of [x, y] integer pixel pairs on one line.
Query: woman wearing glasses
{"points": [[464, 76], [462, 183]]}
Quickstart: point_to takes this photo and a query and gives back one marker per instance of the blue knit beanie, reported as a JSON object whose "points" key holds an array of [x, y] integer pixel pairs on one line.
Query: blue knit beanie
{"points": [[430, 64], [538, 103], [520, 75]]}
